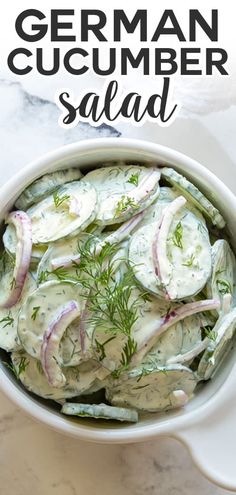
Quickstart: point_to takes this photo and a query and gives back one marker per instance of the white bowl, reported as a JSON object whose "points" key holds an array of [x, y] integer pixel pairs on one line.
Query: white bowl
{"points": [[207, 425]]}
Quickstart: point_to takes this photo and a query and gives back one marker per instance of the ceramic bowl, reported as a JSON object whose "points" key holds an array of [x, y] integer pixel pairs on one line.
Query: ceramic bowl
{"points": [[207, 425]]}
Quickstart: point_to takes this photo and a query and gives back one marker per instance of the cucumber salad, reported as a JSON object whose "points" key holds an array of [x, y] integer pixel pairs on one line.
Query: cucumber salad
{"points": [[117, 290]]}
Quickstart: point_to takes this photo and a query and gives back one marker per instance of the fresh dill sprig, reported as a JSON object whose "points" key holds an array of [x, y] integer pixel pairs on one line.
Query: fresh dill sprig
{"points": [[124, 204], [58, 200], [209, 332], [60, 273], [178, 235], [189, 261], [35, 312], [13, 283], [8, 320], [39, 367], [223, 286], [134, 179], [128, 351], [20, 368], [112, 305], [100, 348]]}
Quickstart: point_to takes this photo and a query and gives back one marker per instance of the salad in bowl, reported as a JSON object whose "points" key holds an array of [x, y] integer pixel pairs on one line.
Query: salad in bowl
{"points": [[117, 289]]}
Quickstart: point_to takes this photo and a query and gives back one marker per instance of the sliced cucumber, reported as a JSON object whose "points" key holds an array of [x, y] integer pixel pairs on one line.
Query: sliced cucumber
{"points": [[38, 310], [29, 371], [100, 411], [110, 346], [46, 185], [10, 240], [152, 388], [189, 254], [216, 351], [141, 259], [192, 334], [64, 255], [189, 259], [178, 339], [166, 196], [63, 216], [123, 191], [193, 194], [222, 280], [70, 346], [9, 319], [168, 344]]}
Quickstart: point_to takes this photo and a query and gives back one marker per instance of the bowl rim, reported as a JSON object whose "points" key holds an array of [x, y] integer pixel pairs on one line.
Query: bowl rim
{"points": [[136, 432]]}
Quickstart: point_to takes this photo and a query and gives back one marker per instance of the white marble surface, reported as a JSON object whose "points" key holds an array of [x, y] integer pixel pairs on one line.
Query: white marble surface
{"points": [[32, 458]]}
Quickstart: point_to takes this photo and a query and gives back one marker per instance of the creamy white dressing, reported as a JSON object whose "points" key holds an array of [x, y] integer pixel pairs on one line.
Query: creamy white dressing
{"points": [[52, 220], [99, 349]]}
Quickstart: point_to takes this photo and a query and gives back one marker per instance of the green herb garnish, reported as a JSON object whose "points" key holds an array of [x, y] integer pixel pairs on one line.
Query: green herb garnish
{"points": [[209, 332], [178, 235], [35, 312], [223, 286], [39, 367], [100, 348], [124, 204], [17, 370], [8, 320], [134, 179], [13, 283], [60, 273], [128, 351], [58, 200], [112, 307], [189, 261]]}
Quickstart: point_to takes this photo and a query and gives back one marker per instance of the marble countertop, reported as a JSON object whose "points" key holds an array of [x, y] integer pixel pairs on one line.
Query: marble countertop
{"points": [[33, 458]]}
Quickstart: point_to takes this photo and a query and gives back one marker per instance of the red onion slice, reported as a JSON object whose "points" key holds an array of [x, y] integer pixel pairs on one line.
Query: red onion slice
{"points": [[22, 224], [74, 206], [145, 187], [160, 259], [170, 319], [121, 233], [179, 398], [51, 342]]}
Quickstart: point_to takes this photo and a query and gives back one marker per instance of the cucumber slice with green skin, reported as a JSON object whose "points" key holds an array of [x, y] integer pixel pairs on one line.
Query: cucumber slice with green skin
{"points": [[188, 252], [9, 318], [175, 314], [100, 411], [169, 344], [217, 349], [47, 299], [46, 185], [141, 259], [178, 339], [73, 210], [123, 191], [166, 196], [10, 241], [30, 372], [65, 255], [193, 194], [152, 388], [223, 276], [189, 260]]}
